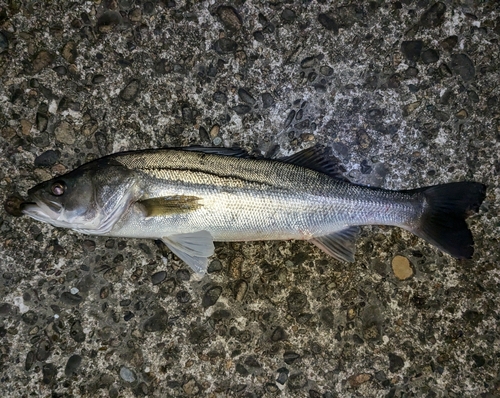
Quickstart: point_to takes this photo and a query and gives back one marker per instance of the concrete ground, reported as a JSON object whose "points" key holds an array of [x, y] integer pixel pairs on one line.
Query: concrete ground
{"points": [[405, 93]]}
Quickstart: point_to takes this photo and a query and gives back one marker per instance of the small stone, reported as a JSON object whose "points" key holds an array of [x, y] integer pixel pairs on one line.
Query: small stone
{"points": [[220, 97], [282, 377], [230, 18], [108, 21], [297, 381], [462, 114], [43, 350], [412, 49], [77, 332], [241, 109], [217, 141], [71, 299], [12, 205], [402, 268], [288, 15], [290, 357], [240, 290], [296, 302], [98, 79], [211, 296], [157, 322], [4, 43], [48, 158], [127, 374], [89, 245], [49, 372], [72, 365], [308, 62], [258, 36], [328, 22], [326, 71], [60, 70], [245, 96], [359, 379], [225, 46], [135, 15], [158, 277], [63, 133], [430, 56], [278, 334], [214, 131], [267, 100], [214, 266], [130, 91], [289, 118], [69, 52], [434, 16], [462, 65], [191, 387], [74, 290], [396, 363], [449, 43], [42, 60], [410, 108]]}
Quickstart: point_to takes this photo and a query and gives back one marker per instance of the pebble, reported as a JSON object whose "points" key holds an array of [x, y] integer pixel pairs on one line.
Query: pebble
{"points": [[214, 266], [230, 18], [98, 79], [49, 372], [297, 381], [43, 350], [289, 118], [214, 131], [42, 60], [328, 22], [326, 71], [241, 109], [462, 114], [157, 323], [246, 97], [282, 377], [108, 21], [12, 205], [64, 133], [462, 65], [211, 296], [225, 46], [127, 374], [412, 49], [69, 52], [359, 379], [158, 277], [326, 316], [434, 16], [74, 290], [449, 43], [308, 62], [130, 91], [217, 141], [240, 290], [396, 363], [278, 334], [60, 70], [220, 97], [77, 333], [290, 357], [72, 365], [258, 36], [191, 387], [430, 56], [71, 299], [4, 43], [267, 100], [402, 268], [288, 15]]}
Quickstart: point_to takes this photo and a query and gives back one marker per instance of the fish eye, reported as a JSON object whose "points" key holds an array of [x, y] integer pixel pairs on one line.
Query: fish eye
{"points": [[58, 188]]}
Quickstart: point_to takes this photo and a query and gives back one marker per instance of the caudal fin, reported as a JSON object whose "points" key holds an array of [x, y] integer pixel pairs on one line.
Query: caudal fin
{"points": [[445, 210]]}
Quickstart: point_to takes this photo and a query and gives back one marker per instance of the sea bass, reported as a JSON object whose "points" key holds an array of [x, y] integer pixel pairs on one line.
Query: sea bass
{"points": [[191, 197]]}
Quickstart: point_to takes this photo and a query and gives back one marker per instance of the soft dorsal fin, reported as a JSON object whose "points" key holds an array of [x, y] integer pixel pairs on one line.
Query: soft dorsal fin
{"points": [[317, 158], [235, 152], [340, 244], [168, 205]]}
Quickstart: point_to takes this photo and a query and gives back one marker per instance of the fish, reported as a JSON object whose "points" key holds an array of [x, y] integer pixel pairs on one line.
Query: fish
{"points": [[190, 197]]}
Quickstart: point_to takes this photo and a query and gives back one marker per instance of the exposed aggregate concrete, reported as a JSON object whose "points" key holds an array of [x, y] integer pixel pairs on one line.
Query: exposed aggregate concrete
{"points": [[404, 93]]}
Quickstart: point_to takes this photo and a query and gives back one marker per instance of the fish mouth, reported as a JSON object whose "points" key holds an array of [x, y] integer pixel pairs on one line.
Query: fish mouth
{"points": [[41, 210]]}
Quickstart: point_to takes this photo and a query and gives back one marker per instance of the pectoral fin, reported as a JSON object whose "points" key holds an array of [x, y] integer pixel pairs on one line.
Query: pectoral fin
{"points": [[168, 205], [341, 244], [194, 249]]}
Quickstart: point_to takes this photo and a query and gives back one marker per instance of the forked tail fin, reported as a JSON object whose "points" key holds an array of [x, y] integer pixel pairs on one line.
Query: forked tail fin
{"points": [[445, 210]]}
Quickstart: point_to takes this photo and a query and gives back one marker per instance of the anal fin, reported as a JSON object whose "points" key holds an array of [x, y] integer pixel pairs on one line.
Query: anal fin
{"points": [[192, 248], [340, 244]]}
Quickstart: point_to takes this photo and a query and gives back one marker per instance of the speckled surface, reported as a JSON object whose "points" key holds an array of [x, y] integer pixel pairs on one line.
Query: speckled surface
{"points": [[405, 93]]}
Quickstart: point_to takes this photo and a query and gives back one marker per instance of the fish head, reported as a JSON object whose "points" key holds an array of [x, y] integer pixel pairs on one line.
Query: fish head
{"points": [[90, 199]]}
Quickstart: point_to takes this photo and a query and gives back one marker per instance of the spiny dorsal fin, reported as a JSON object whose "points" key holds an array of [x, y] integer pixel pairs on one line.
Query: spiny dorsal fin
{"points": [[317, 158], [341, 244], [167, 205], [235, 152]]}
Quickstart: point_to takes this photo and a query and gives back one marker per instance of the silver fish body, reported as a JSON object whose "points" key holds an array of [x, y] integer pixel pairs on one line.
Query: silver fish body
{"points": [[190, 198]]}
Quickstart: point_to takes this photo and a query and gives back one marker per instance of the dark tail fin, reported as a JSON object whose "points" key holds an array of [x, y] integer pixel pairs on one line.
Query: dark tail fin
{"points": [[445, 210]]}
